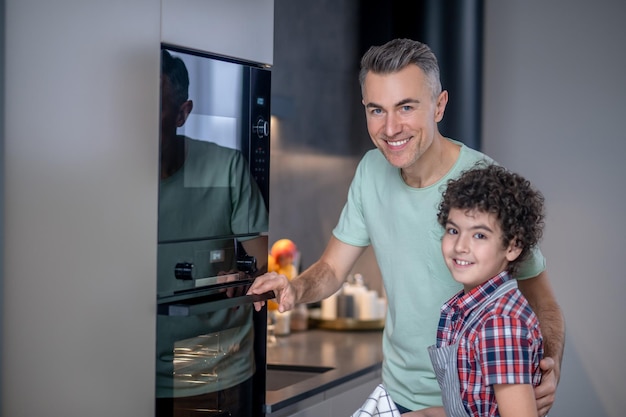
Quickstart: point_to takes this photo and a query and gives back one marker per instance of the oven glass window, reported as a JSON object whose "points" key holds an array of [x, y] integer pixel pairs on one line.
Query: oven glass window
{"points": [[205, 364]]}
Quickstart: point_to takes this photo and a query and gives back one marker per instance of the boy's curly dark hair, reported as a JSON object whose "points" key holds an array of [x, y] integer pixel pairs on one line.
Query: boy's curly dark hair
{"points": [[492, 189]]}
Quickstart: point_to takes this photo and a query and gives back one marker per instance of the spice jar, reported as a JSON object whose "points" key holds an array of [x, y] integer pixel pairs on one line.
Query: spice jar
{"points": [[299, 318]]}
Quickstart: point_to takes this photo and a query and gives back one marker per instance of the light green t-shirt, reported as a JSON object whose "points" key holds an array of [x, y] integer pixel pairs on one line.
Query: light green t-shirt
{"points": [[400, 222]]}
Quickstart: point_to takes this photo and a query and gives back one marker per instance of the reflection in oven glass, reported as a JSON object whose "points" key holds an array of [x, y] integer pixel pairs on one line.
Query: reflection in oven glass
{"points": [[208, 372], [196, 359]]}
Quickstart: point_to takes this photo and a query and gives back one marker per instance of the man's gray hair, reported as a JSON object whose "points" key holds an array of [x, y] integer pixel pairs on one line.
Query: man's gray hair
{"points": [[396, 55]]}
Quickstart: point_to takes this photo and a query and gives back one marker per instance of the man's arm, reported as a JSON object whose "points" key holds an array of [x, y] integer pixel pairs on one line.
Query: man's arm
{"points": [[539, 294], [317, 282], [326, 276]]}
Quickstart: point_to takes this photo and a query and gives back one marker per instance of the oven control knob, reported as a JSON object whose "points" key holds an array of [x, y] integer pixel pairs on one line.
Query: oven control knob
{"points": [[261, 128], [183, 271]]}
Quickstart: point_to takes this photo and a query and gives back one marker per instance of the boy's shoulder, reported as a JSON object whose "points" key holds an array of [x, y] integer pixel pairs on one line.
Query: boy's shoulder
{"points": [[512, 304]]}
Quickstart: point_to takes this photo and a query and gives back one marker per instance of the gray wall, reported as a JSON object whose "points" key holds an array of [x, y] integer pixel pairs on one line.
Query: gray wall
{"points": [[81, 152], [2, 23], [554, 111], [81, 128]]}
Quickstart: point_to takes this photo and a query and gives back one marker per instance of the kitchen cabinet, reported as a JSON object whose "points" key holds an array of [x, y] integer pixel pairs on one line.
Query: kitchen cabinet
{"points": [[242, 29], [342, 400]]}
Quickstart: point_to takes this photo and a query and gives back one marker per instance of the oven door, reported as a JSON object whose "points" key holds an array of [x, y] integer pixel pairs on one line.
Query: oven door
{"points": [[212, 235], [211, 355]]}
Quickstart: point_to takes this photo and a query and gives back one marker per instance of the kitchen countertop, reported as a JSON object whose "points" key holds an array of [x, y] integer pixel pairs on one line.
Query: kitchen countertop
{"points": [[350, 354]]}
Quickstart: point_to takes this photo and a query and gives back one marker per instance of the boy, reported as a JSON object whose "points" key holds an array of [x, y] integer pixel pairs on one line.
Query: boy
{"points": [[489, 343]]}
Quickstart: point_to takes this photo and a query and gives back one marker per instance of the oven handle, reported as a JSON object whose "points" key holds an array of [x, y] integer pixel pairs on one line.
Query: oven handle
{"points": [[193, 307]]}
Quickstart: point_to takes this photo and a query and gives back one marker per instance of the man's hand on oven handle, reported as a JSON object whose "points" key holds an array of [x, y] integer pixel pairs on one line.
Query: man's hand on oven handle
{"points": [[282, 287]]}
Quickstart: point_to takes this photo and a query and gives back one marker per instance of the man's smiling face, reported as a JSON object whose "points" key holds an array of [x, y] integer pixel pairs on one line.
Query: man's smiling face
{"points": [[402, 114]]}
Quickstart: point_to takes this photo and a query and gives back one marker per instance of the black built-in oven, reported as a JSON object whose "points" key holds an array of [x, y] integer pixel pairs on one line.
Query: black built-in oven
{"points": [[212, 235]]}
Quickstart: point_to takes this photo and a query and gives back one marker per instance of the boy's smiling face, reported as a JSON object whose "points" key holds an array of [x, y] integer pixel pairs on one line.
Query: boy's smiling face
{"points": [[473, 249]]}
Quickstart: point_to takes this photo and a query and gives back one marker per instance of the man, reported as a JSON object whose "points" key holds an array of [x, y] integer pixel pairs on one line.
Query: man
{"points": [[392, 205]]}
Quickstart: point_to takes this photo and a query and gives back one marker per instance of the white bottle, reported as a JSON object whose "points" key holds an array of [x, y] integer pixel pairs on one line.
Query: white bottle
{"points": [[357, 289], [329, 307]]}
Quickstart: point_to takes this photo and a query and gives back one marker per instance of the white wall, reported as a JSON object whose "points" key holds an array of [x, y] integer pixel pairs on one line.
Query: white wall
{"points": [[554, 111], [81, 127]]}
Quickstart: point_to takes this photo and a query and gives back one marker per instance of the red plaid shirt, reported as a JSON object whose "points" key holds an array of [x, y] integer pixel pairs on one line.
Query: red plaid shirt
{"points": [[503, 347]]}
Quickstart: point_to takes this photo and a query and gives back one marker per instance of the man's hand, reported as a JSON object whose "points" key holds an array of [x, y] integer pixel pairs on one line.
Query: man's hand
{"points": [[284, 291], [546, 391]]}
